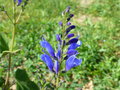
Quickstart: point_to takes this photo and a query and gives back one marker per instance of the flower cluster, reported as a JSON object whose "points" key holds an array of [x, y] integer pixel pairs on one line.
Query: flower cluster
{"points": [[66, 51]]}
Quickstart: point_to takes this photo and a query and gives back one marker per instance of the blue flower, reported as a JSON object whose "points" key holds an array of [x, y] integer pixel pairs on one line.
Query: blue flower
{"points": [[54, 67], [70, 16], [47, 59], [75, 45], [18, 2], [67, 9], [58, 54], [70, 28], [72, 52], [68, 23], [60, 23], [72, 62], [48, 47], [58, 38], [70, 35], [73, 40]]}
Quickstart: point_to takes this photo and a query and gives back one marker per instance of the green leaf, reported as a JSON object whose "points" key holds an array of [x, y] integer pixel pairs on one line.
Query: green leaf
{"points": [[2, 81], [23, 81], [1, 71], [3, 43]]}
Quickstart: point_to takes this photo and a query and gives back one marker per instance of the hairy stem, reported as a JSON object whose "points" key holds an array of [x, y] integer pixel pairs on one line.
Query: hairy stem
{"points": [[7, 83], [19, 16], [57, 81]]}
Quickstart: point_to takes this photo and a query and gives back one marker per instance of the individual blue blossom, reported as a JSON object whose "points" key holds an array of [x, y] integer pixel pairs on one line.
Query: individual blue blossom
{"points": [[48, 47], [58, 37], [72, 52], [54, 67], [70, 35], [68, 23], [75, 45], [67, 9], [47, 59], [70, 28], [70, 16], [60, 23], [58, 54], [18, 2], [73, 40], [72, 62]]}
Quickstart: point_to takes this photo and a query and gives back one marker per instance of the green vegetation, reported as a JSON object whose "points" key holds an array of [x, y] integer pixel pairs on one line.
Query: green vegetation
{"points": [[98, 25]]}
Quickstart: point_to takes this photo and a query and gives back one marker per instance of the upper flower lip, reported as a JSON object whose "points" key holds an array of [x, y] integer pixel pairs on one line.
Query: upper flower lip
{"points": [[48, 47], [70, 35], [72, 61], [74, 45], [54, 67], [46, 59], [73, 40], [70, 28]]}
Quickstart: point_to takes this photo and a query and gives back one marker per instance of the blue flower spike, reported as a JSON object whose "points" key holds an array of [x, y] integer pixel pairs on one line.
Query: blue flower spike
{"points": [[66, 49]]}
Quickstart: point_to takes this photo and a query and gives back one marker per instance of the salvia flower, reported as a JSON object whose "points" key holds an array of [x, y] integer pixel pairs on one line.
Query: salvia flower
{"points": [[60, 23], [68, 23], [66, 49], [70, 28], [18, 2], [70, 35], [67, 9]]}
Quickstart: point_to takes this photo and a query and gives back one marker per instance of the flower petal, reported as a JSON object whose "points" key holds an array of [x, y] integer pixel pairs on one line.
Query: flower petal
{"points": [[74, 40], [77, 62], [67, 9], [48, 47], [58, 37], [71, 15], [48, 61], [58, 55], [68, 23], [69, 62], [60, 23], [72, 61], [56, 66], [70, 28], [18, 2], [74, 45], [72, 52], [70, 35]]}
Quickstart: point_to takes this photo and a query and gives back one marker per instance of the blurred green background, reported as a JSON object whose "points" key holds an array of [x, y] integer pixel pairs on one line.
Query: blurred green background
{"points": [[98, 24]]}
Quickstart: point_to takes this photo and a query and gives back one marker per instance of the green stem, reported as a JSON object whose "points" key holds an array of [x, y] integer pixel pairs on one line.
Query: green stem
{"points": [[8, 16], [57, 81], [7, 83], [19, 16]]}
